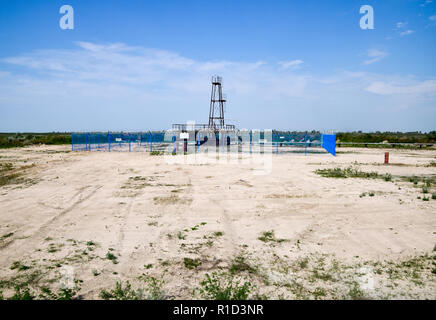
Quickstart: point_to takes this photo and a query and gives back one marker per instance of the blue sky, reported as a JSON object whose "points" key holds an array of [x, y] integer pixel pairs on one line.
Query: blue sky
{"points": [[292, 65]]}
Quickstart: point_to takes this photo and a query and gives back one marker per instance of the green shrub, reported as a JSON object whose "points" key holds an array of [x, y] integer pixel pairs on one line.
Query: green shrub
{"points": [[346, 173], [12, 140], [63, 294], [22, 294], [153, 291], [268, 236], [20, 267], [222, 286], [191, 263], [240, 264], [120, 293], [111, 257]]}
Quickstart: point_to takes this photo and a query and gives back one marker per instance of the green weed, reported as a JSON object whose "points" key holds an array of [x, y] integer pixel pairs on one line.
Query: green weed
{"points": [[268, 236], [222, 286], [191, 263]]}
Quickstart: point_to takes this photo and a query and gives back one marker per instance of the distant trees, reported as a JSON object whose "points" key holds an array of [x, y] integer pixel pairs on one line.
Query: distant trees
{"points": [[13, 140], [391, 137]]}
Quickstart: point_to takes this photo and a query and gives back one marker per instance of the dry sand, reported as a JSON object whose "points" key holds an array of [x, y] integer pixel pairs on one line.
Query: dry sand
{"points": [[73, 208]]}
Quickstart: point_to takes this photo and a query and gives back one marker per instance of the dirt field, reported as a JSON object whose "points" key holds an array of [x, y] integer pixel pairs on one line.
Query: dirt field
{"points": [[97, 218]]}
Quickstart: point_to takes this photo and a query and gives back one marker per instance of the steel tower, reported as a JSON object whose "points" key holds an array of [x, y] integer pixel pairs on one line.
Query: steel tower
{"points": [[217, 101]]}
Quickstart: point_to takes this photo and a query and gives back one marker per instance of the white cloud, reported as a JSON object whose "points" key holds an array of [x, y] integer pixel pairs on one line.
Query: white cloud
{"points": [[433, 18], [401, 24], [120, 87], [427, 88], [375, 55], [406, 33], [294, 64]]}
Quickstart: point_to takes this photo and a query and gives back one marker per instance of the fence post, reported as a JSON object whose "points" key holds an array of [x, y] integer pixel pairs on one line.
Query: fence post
{"points": [[222, 140], [109, 140], [72, 142], [89, 136], [277, 146], [129, 141], [249, 134], [305, 144]]}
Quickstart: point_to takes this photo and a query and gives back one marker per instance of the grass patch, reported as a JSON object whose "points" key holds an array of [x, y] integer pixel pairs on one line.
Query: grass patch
{"points": [[223, 286], [191, 263], [181, 236], [112, 257], [349, 172], [355, 293], [240, 264], [17, 265], [173, 199], [8, 175], [63, 294], [268, 236], [387, 177], [122, 293], [156, 153], [22, 294], [152, 291], [8, 235], [52, 248]]}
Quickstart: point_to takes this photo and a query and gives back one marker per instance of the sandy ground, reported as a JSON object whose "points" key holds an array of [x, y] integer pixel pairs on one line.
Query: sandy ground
{"points": [[99, 217]]}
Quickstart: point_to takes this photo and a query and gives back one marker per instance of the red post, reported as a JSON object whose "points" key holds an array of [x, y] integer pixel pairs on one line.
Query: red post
{"points": [[386, 157]]}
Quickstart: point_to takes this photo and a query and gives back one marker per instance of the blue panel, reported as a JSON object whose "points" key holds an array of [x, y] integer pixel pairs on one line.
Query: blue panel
{"points": [[328, 142]]}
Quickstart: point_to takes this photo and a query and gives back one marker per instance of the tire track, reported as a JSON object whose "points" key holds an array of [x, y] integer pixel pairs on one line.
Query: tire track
{"points": [[45, 226]]}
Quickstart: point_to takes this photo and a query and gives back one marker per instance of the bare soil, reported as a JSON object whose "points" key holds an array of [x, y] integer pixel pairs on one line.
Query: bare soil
{"points": [[292, 233]]}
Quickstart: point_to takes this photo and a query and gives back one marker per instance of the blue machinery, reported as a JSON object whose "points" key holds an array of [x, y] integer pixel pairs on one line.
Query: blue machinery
{"points": [[143, 141]]}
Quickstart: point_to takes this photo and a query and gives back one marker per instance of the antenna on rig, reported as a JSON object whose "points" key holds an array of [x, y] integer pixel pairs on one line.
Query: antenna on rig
{"points": [[217, 101]]}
